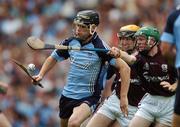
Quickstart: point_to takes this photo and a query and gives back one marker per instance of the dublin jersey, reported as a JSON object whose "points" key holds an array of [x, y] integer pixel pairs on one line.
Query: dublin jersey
{"points": [[85, 67], [135, 93], [172, 32], [154, 70]]}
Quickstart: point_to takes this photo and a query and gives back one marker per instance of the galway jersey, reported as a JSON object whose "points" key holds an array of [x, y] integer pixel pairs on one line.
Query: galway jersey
{"points": [[171, 33], [135, 93], [154, 70], [85, 67]]}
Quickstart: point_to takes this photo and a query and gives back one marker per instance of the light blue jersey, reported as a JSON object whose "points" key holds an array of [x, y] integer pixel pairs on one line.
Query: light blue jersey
{"points": [[171, 33], [85, 68]]}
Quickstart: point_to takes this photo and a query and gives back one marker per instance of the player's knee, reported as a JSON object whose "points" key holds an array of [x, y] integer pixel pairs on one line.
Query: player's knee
{"points": [[73, 123]]}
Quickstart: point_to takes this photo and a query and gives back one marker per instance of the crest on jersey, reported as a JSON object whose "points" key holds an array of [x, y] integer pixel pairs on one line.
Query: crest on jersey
{"points": [[146, 66], [164, 67]]}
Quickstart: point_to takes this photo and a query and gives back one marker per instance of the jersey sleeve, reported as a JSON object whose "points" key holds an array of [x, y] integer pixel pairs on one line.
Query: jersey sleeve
{"points": [[168, 34], [60, 55], [98, 43]]}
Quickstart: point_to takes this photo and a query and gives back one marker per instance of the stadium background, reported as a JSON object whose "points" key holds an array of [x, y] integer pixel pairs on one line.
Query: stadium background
{"points": [[51, 20]]}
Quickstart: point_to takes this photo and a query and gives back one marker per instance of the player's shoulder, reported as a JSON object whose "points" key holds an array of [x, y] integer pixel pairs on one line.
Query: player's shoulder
{"points": [[175, 12], [100, 43], [66, 41], [171, 19]]}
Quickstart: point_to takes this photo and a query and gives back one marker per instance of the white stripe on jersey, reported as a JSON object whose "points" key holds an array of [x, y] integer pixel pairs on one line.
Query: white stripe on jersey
{"points": [[105, 45]]}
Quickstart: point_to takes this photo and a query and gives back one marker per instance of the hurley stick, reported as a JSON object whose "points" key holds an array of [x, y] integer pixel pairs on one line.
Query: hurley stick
{"points": [[37, 44], [26, 71]]}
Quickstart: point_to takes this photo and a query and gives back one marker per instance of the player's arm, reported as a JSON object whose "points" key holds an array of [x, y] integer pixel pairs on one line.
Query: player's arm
{"points": [[130, 59], [115, 52], [165, 47], [124, 71], [167, 37], [169, 51], [48, 64]]}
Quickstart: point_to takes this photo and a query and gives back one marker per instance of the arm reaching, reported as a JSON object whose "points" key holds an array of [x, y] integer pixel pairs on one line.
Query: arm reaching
{"points": [[48, 65], [124, 71], [117, 53], [130, 59]]}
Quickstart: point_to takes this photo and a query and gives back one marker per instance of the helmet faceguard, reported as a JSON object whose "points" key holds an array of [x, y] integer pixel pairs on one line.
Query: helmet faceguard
{"points": [[146, 39], [88, 20], [126, 37]]}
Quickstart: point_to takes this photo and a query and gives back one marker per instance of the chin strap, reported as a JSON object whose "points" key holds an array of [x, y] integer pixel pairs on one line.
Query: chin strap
{"points": [[91, 31], [149, 47], [148, 43]]}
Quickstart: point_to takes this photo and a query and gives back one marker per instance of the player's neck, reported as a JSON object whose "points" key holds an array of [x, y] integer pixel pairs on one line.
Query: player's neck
{"points": [[87, 40]]}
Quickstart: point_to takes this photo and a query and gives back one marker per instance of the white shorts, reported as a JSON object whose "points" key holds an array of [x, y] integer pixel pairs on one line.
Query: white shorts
{"points": [[111, 109], [157, 108]]}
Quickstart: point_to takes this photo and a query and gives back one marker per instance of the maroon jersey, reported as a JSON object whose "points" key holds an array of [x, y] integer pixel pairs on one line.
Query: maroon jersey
{"points": [[152, 71], [135, 93]]}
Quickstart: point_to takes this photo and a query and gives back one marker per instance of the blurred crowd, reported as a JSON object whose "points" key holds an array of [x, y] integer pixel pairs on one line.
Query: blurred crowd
{"points": [[51, 20]]}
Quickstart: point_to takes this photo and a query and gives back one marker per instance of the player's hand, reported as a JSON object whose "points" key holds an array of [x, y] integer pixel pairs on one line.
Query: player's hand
{"points": [[114, 52], [168, 86], [37, 78], [124, 106]]}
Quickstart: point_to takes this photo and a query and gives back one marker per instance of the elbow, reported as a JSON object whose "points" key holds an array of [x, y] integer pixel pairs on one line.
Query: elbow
{"points": [[123, 66]]}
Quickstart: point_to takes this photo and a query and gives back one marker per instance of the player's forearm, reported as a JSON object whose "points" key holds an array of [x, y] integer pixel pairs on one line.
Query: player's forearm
{"points": [[48, 64], [125, 81], [168, 50], [130, 59], [124, 71], [165, 48]]}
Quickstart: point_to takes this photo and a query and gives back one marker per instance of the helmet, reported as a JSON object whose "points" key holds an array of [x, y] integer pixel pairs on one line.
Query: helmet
{"points": [[128, 31], [88, 20], [149, 31], [87, 17], [126, 38]]}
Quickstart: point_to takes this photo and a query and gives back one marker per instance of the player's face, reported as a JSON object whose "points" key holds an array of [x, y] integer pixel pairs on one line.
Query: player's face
{"points": [[81, 31], [126, 43], [141, 43]]}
